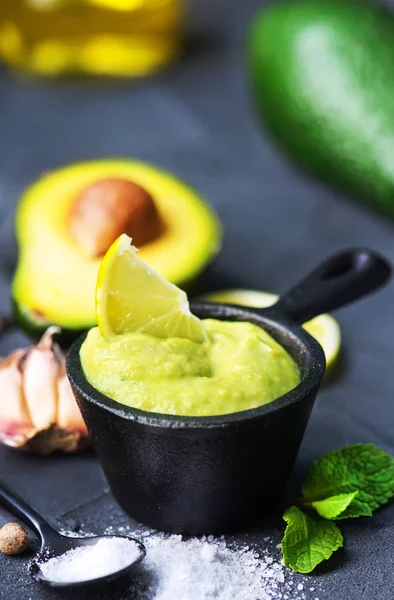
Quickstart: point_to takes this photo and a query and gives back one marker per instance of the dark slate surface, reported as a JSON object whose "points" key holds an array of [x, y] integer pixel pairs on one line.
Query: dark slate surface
{"points": [[196, 121]]}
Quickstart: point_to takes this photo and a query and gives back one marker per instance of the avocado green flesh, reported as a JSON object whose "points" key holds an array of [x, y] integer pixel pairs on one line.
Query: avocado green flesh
{"points": [[239, 367], [322, 73]]}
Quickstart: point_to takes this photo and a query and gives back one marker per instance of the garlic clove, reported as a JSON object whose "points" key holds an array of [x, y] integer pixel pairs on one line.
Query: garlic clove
{"points": [[38, 411], [40, 376], [15, 422], [69, 415]]}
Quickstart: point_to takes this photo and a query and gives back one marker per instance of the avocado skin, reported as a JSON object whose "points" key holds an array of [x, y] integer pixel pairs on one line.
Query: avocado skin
{"points": [[322, 74], [35, 329]]}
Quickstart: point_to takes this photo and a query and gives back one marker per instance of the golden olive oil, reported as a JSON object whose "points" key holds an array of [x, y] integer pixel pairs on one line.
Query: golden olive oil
{"points": [[97, 37]]}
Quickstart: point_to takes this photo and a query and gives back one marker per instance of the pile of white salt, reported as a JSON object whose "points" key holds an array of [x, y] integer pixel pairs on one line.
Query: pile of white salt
{"points": [[197, 569], [207, 569]]}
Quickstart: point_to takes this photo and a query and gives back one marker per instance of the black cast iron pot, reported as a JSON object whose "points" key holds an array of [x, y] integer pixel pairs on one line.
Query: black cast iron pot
{"points": [[197, 475]]}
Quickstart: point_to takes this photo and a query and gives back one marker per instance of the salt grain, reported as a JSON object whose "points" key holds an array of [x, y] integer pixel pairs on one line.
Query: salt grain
{"points": [[103, 558]]}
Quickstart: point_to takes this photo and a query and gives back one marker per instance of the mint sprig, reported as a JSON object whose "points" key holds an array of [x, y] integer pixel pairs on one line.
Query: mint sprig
{"points": [[362, 468], [347, 483]]}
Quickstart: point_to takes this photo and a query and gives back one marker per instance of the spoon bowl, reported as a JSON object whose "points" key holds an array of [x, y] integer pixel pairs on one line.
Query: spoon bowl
{"points": [[54, 544], [59, 544]]}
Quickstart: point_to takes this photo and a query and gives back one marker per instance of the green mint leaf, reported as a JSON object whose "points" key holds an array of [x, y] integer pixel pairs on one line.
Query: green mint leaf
{"points": [[334, 506], [357, 508], [362, 468], [308, 540]]}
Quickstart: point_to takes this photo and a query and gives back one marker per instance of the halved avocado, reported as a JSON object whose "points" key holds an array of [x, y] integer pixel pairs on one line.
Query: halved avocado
{"points": [[55, 279]]}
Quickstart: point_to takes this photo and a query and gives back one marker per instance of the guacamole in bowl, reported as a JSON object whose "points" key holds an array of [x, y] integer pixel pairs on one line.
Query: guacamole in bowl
{"points": [[238, 367]]}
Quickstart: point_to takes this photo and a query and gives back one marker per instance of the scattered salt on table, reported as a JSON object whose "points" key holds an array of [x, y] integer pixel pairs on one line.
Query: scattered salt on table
{"points": [[90, 562], [207, 568]]}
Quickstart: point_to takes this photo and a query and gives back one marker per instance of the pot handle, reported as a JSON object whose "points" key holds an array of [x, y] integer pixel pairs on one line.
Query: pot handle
{"points": [[338, 281]]}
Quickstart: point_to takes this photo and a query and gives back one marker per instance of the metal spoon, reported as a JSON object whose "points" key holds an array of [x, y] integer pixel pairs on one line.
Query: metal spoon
{"points": [[54, 543]]}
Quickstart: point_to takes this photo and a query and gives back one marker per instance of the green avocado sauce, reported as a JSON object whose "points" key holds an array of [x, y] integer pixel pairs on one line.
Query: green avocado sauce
{"points": [[237, 368]]}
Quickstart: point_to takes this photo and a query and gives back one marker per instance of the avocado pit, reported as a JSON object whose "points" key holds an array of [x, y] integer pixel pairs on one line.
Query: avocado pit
{"points": [[109, 207]]}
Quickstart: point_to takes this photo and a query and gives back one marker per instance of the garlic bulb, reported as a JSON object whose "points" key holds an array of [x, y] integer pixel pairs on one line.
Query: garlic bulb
{"points": [[38, 411]]}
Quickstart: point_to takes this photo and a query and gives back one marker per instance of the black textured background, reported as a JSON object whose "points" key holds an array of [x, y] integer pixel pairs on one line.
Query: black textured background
{"points": [[195, 120]]}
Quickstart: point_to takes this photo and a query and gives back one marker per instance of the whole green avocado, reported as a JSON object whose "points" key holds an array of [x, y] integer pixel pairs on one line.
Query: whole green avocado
{"points": [[322, 73]]}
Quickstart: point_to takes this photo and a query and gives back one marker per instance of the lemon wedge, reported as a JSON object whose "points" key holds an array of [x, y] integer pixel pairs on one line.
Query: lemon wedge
{"points": [[133, 297], [324, 328]]}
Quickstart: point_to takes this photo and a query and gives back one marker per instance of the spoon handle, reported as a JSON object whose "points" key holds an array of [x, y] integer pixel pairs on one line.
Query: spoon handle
{"points": [[341, 279], [21, 509]]}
